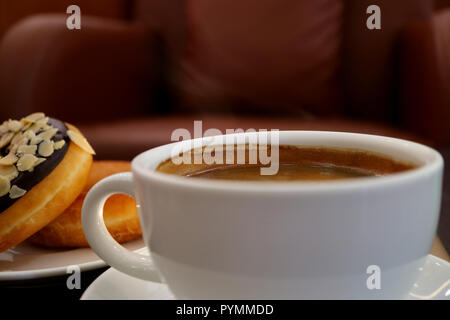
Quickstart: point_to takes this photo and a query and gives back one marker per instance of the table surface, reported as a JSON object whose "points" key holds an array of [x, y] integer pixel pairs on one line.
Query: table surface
{"points": [[438, 250]]}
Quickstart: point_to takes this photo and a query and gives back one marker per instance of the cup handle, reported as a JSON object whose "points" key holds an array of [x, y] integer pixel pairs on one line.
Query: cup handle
{"points": [[101, 241]]}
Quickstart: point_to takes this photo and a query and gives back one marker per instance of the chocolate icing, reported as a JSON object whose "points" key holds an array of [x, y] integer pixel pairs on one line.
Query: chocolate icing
{"points": [[27, 180]]}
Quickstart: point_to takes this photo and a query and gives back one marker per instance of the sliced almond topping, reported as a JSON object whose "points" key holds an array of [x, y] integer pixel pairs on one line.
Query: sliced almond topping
{"points": [[26, 162], [39, 161], [26, 126], [58, 144], [24, 149], [43, 121], [9, 159], [46, 127], [80, 141], [33, 117], [18, 140], [16, 192], [29, 134], [5, 185], [6, 138], [37, 138], [9, 172], [35, 127], [47, 134], [4, 127], [45, 148], [14, 125]]}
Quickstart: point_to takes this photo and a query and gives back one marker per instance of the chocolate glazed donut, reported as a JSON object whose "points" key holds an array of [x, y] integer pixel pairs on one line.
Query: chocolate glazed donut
{"points": [[27, 180], [44, 166]]}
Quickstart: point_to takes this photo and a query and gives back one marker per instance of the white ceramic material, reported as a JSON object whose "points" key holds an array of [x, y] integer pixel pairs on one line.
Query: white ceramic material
{"points": [[115, 285], [433, 284], [289, 240], [28, 261]]}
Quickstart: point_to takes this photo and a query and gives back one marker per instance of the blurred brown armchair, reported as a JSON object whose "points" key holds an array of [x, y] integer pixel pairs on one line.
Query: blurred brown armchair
{"points": [[139, 69]]}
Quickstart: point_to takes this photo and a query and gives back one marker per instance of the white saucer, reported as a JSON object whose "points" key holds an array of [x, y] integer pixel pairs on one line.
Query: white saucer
{"points": [[433, 283], [28, 261]]}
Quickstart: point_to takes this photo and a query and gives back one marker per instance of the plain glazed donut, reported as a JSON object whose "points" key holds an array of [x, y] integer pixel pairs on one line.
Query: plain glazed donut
{"points": [[120, 214], [48, 173]]}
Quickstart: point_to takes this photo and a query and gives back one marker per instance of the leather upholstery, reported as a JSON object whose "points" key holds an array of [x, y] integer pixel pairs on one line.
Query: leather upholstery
{"points": [[217, 65], [272, 54], [442, 4], [11, 11], [106, 72], [426, 77], [123, 139], [110, 69], [370, 67]]}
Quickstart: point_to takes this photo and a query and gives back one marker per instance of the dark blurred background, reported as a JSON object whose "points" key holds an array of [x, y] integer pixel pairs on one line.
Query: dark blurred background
{"points": [[138, 69]]}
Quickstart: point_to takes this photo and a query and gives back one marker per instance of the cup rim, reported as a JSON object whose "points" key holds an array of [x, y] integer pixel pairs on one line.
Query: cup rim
{"points": [[210, 185]]}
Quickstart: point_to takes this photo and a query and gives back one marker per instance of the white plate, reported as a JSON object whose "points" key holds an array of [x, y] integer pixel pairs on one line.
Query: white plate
{"points": [[433, 283], [27, 261]]}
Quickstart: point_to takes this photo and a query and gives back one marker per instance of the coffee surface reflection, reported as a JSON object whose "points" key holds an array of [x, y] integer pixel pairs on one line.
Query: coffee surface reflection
{"points": [[295, 164]]}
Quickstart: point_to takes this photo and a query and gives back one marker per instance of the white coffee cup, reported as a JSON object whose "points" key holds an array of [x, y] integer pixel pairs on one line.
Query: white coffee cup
{"points": [[359, 238]]}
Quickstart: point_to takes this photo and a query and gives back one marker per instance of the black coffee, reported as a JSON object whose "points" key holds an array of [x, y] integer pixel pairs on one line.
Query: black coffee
{"points": [[297, 163]]}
